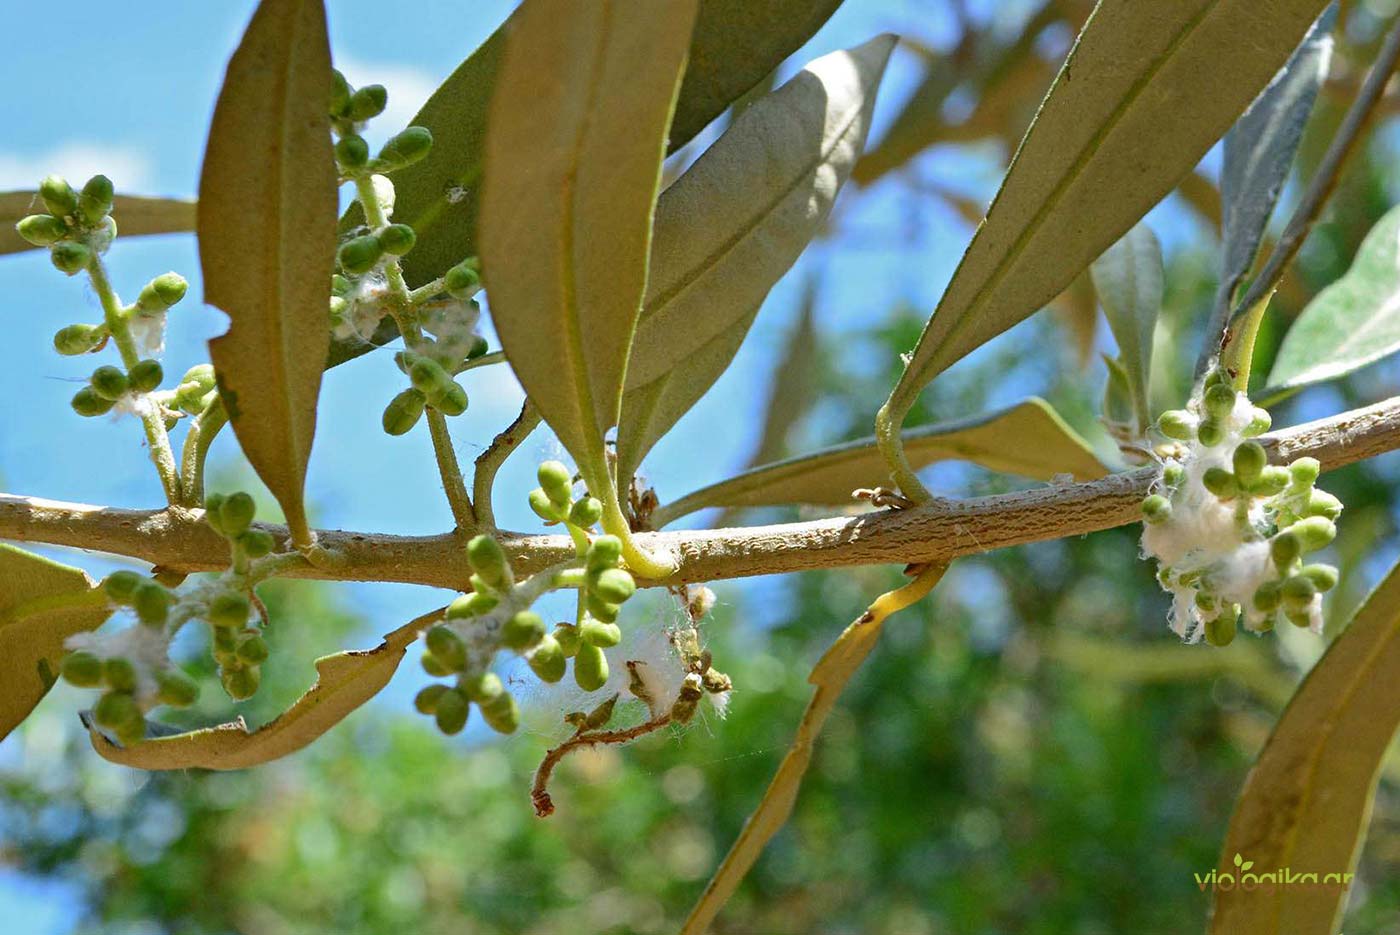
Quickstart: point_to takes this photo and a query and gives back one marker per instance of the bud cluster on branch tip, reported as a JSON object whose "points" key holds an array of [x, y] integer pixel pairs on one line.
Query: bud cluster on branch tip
{"points": [[227, 606], [1229, 531], [432, 385], [232, 516], [78, 225]]}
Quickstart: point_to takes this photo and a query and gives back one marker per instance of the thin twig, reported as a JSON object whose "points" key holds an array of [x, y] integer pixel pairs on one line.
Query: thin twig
{"points": [[451, 471], [1319, 189], [539, 792], [490, 461]]}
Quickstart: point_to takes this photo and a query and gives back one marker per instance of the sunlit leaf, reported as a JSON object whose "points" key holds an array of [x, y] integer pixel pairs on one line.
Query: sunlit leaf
{"points": [[266, 212], [1128, 279], [31, 643], [573, 161], [1353, 322], [135, 215], [1143, 95], [1029, 439], [729, 228], [344, 681], [1307, 801]]}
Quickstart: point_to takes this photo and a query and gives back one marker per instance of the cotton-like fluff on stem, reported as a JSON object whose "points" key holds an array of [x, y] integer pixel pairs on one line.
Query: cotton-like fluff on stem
{"points": [[146, 648]]}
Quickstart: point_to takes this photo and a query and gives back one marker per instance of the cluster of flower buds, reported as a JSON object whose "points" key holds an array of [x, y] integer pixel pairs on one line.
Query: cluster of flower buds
{"points": [[239, 647], [1228, 529], [78, 225], [130, 666], [111, 386]]}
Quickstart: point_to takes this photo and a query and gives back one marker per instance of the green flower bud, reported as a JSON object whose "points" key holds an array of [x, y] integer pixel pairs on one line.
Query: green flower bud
{"points": [[451, 401], [161, 294], [176, 689], [548, 661], [603, 552], [81, 670], [1177, 423], [1323, 577], [41, 229], [471, 605], [502, 713], [426, 700], [544, 508], [435, 666], [1206, 601], [600, 634], [359, 254], [600, 608], [256, 543], [352, 152], [1322, 503], [483, 687], [403, 412], [225, 642], [397, 239], [229, 609], [95, 201], [1314, 533], [119, 674], [121, 585], [567, 636], [151, 603], [340, 285], [236, 513], [450, 711], [78, 339], [590, 667], [70, 257], [1210, 433], [1219, 401], [522, 630], [253, 649], [58, 196], [1285, 549], [145, 376], [1220, 631], [1220, 482], [462, 281], [109, 382], [1298, 593], [479, 347], [1250, 458], [404, 149], [1268, 596], [1156, 509], [241, 684], [87, 403], [448, 647], [368, 102], [586, 511], [1258, 424], [1304, 471], [614, 585], [1299, 618], [557, 483], [428, 376], [339, 105], [1173, 474], [115, 709], [1272, 479], [488, 560], [213, 505]]}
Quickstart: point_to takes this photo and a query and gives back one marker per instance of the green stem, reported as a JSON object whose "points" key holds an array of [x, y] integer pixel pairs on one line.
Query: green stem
{"points": [[638, 560], [489, 462], [485, 360], [157, 439], [200, 436], [452, 482], [889, 423]]}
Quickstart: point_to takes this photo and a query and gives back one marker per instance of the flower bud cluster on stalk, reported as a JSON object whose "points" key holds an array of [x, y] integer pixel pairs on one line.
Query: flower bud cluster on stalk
{"points": [[1232, 533]]}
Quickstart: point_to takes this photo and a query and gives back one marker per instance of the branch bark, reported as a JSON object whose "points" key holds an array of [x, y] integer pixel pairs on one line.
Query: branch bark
{"points": [[176, 539]]}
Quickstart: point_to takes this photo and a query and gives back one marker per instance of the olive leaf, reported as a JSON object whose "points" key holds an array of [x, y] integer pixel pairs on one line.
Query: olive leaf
{"points": [[573, 162], [31, 643], [344, 681], [1029, 439], [732, 225], [735, 45], [1351, 323], [267, 207], [1307, 801], [136, 215], [1128, 280], [1144, 94]]}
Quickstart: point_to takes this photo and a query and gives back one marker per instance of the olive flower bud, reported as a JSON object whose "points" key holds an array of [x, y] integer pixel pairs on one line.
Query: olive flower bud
{"points": [[162, 293], [483, 687], [1176, 423], [450, 710], [352, 152], [119, 674], [368, 102], [151, 603], [547, 660], [236, 513], [614, 585], [1314, 532], [87, 403], [426, 700], [1304, 471], [590, 667], [603, 552], [586, 511], [95, 200], [69, 256], [452, 401], [58, 196], [109, 382], [488, 560], [81, 670], [448, 647], [176, 689], [41, 229], [253, 649], [121, 585], [602, 635], [241, 684], [556, 481], [1220, 482], [567, 636], [501, 713], [404, 149], [462, 280], [1249, 459], [397, 239], [145, 376], [522, 630], [403, 412], [359, 254], [78, 339]]}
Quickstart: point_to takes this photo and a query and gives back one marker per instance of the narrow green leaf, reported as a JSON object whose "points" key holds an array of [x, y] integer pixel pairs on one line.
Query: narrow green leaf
{"points": [[135, 215], [1307, 801], [1353, 322], [732, 225], [573, 162], [1029, 439], [344, 681], [31, 644], [1144, 94], [267, 207], [1259, 152], [1128, 279], [795, 383]]}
